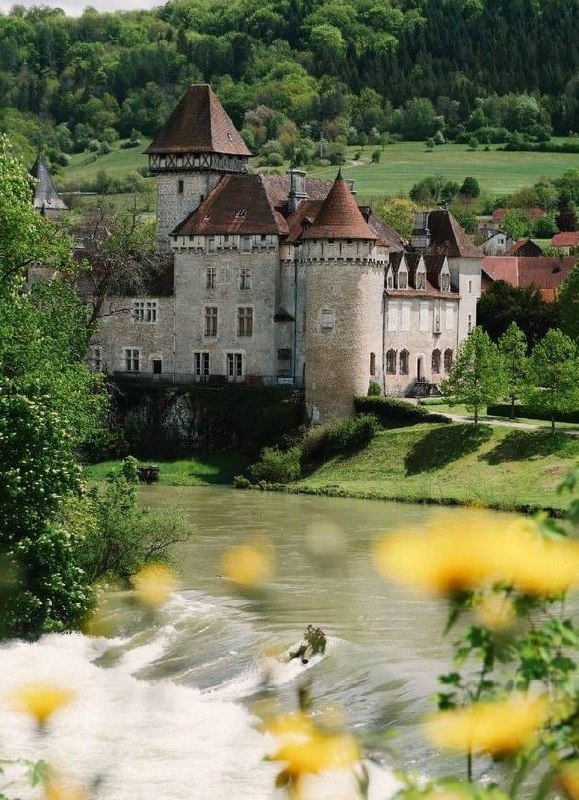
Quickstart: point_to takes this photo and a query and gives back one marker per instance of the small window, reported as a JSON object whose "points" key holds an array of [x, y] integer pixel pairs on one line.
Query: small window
{"points": [[403, 279], [234, 365], [447, 360], [389, 280], [436, 362], [327, 323], [372, 363], [211, 273], [132, 359], [470, 287], [180, 186], [157, 365], [245, 321], [240, 213], [145, 310], [469, 324], [445, 282], [211, 244], [391, 362], [404, 362], [210, 321], [420, 280], [246, 244], [245, 279]]}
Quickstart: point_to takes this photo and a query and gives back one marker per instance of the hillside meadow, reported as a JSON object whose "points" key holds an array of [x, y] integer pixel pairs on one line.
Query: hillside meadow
{"points": [[401, 166]]}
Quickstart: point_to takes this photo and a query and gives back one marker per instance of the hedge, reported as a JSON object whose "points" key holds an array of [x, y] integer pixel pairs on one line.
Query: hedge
{"points": [[394, 413], [504, 410]]}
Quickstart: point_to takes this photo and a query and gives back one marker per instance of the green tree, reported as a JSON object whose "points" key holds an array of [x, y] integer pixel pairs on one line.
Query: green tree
{"points": [[516, 224], [502, 304], [568, 302], [398, 212], [554, 374], [513, 349], [477, 377], [48, 406], [470, 187]]}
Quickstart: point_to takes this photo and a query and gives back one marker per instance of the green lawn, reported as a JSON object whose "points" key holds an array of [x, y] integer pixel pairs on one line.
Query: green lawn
{"points": [[194, 471], [462, 463], [401, 166]]}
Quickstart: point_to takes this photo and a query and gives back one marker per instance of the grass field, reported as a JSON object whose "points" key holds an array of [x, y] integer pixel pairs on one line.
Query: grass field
{"points": [[462, 463], [400, 167], [194, 471]]}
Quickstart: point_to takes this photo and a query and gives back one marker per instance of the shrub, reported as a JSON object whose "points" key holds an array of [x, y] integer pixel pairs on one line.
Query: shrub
{"points": [[393, 413], [376, 156], [374, 389], [277, 466], [504, 410], [275, 160], [338, 438]]}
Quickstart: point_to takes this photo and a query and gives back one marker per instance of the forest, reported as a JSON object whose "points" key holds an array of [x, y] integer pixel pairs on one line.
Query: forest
{"points": [[292, 71]]}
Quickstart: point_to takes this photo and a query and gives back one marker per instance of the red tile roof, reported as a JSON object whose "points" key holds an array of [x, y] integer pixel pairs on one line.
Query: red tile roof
{"points": [[340, 217], [238, 204], [524, 247], [199, 124], [566, 239], [544, 272], [499, 214], [502, 268]]}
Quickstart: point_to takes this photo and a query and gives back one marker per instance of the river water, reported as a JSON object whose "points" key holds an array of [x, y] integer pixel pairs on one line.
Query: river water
{"points": [[165, 707]]}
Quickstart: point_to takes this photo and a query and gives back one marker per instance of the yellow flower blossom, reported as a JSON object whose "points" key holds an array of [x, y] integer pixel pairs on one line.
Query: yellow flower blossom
{"points": [[496, 727], [454, 555], [58, 789], [41, 700], [568, 779], [154, 584], [495, 611], [247, 565]]}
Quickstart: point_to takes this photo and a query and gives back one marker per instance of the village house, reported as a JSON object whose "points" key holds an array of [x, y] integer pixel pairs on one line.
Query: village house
{"points": [[285, 279]]}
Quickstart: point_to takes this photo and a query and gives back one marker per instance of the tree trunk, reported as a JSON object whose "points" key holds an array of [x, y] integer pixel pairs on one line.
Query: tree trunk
{"points": [[512, 406], [476, 415]]}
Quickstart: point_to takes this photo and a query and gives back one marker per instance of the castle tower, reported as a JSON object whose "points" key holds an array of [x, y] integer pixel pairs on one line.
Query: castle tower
{"points": [[344, 275], [46, 199], [197, 145]]}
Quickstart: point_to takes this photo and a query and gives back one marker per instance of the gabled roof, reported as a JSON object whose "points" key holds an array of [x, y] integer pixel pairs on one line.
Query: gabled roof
{"points": [[446, 236], [46, 198], [524, 247], [339, 217], [411, 260], [237, 205], [566, 239], [199, 124]]}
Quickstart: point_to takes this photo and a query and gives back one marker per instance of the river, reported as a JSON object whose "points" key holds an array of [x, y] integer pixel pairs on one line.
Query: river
{"points": [[165, 708]]}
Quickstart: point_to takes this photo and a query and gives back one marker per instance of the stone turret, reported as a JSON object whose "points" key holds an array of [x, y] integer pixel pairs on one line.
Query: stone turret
{"points": [[197, 145], [344, 289]]}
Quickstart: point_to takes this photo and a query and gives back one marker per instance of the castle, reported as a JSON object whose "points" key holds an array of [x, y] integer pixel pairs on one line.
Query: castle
{"points": [[285, 279]]}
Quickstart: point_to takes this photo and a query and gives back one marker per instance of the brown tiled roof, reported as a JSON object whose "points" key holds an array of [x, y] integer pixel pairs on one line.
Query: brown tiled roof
{"points": [[502, 268], [199, 124], [303, 218], [524, 247], [446, 236], [278, 186], [544, 272], [339, 217], [45, 195], [237, 205], [565, 239]]}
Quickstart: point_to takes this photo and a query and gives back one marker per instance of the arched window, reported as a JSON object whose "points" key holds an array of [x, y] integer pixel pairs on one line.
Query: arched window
{"points": [[447, 360], [404, 362], [402, 279], [391, 362], [436, 362]]}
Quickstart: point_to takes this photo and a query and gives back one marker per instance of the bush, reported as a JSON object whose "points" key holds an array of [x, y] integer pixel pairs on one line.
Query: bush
{"points": [[393, 413], [376, 155], [504, 410], [338, 438], [374, 389], [274, 160], [277, 466]]}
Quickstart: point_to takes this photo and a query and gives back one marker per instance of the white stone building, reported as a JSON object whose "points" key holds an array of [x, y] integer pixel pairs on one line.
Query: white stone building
{"points": [[286, 280]]}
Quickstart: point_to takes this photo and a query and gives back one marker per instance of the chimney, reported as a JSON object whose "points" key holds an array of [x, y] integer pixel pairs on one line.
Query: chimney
{"points": [[297, 191], [420, 238], [350, 183]]}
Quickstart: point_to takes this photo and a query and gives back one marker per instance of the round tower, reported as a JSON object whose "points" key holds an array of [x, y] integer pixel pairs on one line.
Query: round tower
{"points": [[196, 145], [344, 295]]}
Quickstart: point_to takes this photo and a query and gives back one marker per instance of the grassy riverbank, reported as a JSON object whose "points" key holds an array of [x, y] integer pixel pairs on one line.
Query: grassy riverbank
{"points": [[499, 467]]}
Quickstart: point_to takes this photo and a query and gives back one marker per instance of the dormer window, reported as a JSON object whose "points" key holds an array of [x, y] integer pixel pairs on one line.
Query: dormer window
{"points": [[445, 282], [421, 280], [403, 279], [389, 280], [229, 137], [240, 213]]}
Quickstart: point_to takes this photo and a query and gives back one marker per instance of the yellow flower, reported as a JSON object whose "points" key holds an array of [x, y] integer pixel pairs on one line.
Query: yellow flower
{"points": [[154, 584], [496, 611], [58, 789], [41, 700], [248, 566], [455, 555], [568, 779], [495, 727]]}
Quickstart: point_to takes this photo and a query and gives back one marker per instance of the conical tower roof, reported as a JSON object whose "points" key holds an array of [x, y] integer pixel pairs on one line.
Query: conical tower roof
{"points": [[339, 217], [199, 124], [46, 198]]}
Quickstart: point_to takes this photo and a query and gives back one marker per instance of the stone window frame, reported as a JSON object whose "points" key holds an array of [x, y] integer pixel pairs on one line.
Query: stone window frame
{"points": [[234, 364], [390, 279], [404, 362], [420, 279], [372, 364], [327, 320], [211, 275], [436, 362], [445, 281], [245, 321], [211, 320], [403, 279], [201, 363], [245, 279], [448, 359], [145, 310], [132, 359], [391, 357]]}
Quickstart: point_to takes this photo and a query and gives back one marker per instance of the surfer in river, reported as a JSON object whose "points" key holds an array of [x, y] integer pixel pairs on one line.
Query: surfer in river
{"points": [[313, 642]]}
